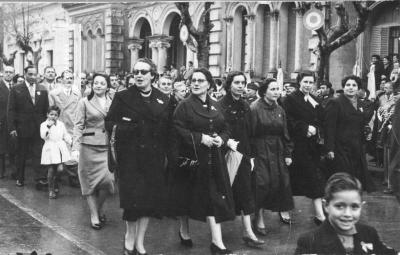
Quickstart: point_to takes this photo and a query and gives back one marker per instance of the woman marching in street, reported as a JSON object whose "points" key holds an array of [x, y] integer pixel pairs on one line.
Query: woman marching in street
{"points": [[345, 120], [142, 119], [272, 149], [201, 131], [237, 113], [304, 118], [90, 144]]}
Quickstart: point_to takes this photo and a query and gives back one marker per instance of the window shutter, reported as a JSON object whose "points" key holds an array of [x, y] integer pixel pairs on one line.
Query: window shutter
{"points": [[384, 41]]}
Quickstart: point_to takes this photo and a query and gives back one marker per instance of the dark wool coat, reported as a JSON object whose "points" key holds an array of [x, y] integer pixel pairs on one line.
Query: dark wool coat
{"points": [[237, 114], [394, 145], [142, 140], [4, 134], [325, 240], [24, 116], [344, 135], [209, 192], [271, 145], [305, 173]]}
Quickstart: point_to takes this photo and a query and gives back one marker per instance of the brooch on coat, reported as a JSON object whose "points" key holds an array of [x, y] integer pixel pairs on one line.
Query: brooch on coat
{"points": [[213, 108], [367, 246], [361, 109], [38, 93], [160, 101]]}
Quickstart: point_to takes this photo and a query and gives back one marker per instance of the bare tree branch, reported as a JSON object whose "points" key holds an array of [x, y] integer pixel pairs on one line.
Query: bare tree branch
{"points": [[342, 24]]}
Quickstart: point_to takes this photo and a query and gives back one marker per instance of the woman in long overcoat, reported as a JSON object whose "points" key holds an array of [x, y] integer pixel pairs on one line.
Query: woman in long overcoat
{"points": [[143, 119], [272, 149], [197, 119], [237, 113], [305, 118], [345, 120]]}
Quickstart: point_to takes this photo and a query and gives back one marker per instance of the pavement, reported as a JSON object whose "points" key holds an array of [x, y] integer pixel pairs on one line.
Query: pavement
{"points": [[29, 221]]}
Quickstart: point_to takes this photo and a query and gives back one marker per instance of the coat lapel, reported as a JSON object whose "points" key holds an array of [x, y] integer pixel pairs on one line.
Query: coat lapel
{"points": [[299, 97], [3, 88], [330, 240], [25, 91], [95, 103]]}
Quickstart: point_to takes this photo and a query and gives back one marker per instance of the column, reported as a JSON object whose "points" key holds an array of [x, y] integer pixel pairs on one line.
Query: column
{"points": [[154, 51], [299, 42], [134, 47], [273, 43], [229, 43], [162, 54], [249, 65]]}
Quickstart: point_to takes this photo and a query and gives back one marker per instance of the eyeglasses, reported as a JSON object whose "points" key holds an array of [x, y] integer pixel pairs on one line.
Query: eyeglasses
{"points": [[198, 80], [143, 72], [166, 83]]}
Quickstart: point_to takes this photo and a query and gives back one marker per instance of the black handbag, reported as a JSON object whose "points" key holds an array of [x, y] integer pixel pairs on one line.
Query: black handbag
{"points": [[188, 164]]}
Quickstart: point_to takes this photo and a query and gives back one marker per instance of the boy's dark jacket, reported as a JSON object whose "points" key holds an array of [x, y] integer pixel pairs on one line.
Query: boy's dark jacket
{"points": [[324, 240]]}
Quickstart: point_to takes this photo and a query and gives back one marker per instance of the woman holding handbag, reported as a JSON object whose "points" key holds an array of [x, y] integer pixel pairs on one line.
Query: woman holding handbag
{"points": [[237, 113], [209, 195]]}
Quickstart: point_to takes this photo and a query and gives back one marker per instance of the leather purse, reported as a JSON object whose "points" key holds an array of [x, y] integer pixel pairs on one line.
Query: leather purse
{"points": [[188, 164]]}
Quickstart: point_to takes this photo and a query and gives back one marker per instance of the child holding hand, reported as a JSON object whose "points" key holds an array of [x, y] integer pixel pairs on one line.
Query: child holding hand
{"points": [[341, 233], [55, 151]]}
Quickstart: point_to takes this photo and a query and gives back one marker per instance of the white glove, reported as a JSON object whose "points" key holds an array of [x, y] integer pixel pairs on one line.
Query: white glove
{"points": [[232, 144], [288, 161], [252, 164], [311, 131], [207, 140]]}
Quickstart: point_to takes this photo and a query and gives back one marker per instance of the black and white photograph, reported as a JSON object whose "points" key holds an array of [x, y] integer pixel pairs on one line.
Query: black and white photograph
{"points": [[198, 127]]}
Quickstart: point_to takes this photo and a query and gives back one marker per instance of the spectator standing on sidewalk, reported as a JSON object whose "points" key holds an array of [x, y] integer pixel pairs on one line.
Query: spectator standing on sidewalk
{"points": [[27, 108], [49, 81]]}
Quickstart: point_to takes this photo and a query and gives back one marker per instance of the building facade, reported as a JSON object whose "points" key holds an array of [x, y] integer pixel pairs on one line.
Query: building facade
{"points": [[255, 37]]}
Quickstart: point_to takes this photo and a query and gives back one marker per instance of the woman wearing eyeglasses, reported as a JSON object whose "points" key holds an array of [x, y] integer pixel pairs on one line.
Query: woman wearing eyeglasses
{"points": [[143, 118], [201, 131]]}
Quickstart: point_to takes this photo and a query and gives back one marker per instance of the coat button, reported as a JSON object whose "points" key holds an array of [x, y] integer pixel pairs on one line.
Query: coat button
{"points": [[223, 197]]}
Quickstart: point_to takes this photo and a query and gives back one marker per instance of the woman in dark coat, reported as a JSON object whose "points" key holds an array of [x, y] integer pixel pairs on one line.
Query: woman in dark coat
{"points": [[237, 113], [345, 120], [200, 124], [143, 116], [304, 117], [272, 149]]}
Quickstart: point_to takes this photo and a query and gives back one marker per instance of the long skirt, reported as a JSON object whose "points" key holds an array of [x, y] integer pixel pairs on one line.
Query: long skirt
{"points": [[93, 169]]}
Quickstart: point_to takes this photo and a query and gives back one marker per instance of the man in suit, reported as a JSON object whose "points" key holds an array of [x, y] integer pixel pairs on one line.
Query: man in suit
{"points": [[5, 141], [66, 97], [49, 81], [27, 109]]}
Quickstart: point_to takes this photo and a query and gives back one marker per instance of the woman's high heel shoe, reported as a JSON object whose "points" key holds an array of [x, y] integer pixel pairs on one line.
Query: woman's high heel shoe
{"points": [[285, 220], [185, 242], [252, 243], [215, 250]]}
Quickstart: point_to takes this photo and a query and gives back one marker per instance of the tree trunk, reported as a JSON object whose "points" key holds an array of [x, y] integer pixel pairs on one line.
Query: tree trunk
{"points": [[203, 53], [323, 67]]}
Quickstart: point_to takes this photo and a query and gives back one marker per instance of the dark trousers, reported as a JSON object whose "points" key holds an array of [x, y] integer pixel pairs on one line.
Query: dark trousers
{"points": [[24, 146]]}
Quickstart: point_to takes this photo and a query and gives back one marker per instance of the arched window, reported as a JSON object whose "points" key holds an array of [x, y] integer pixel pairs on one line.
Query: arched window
{"points": [[177, 51], [239, 38], [99, 56], [89, 51]]}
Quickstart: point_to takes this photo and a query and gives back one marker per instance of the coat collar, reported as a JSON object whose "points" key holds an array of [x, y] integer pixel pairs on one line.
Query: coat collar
{"points": [[299, 97], [96, 104], [4, 88], [207, 109], [66, 100], [158, 102], [349, 105]]}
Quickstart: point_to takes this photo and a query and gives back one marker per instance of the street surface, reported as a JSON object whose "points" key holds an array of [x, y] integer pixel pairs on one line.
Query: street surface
{"points": [[29, 221]]}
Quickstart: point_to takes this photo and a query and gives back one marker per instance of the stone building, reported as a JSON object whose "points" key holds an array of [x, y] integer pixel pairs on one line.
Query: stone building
{"points": [[256, 37]]}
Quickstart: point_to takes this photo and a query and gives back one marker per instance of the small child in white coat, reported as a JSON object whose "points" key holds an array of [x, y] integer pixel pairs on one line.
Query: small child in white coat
{"points": [[55, 151]]}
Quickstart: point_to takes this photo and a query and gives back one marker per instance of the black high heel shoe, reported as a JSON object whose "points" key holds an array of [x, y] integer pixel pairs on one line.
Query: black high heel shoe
{"points": [[252, 243], [138, 253], [288, 221], [185, 242], [128, 252], [259, 231], [215, 250]]}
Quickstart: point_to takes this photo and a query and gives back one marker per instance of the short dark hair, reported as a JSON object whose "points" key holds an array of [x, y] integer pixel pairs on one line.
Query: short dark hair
{"points": [[54, 108], [28, 67], [354, 78], [66, 71], [105, 76], [231, 76], [15, 78], [127, 78], [153, 67], [264, 86], [303, 74], [327, 83], [341, 182], [206, 73], [376, 56]]}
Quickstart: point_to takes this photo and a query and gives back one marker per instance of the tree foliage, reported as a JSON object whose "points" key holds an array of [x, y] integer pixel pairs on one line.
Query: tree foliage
{"points": [[200, 34]]}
